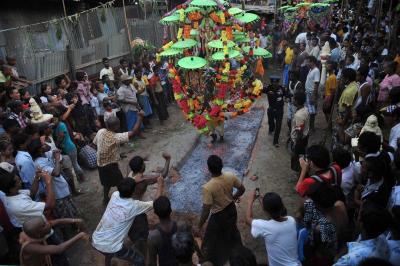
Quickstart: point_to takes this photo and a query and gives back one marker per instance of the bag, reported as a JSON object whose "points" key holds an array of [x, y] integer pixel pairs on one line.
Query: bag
{"points": [[88, 156], [335, 181]]}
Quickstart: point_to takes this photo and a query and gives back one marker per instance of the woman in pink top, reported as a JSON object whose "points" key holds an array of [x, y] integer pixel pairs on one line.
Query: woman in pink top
{"points": [[390, 81]]}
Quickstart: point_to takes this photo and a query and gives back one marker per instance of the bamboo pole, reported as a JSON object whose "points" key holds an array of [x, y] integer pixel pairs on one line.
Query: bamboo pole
{"points": [[65, 10], [128, 32]]}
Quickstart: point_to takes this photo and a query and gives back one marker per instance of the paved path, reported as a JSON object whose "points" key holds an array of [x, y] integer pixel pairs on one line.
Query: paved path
{"points": [[240, 136]]}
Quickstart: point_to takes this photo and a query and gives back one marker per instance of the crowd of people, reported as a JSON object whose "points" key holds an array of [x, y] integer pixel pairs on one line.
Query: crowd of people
{"points": [[350, 195]]}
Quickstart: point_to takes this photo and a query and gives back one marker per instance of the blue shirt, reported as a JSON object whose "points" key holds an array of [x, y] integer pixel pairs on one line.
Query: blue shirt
{"points": [[335, 55], [60, 186], [67, 144], [361, 249], [27, 170]]}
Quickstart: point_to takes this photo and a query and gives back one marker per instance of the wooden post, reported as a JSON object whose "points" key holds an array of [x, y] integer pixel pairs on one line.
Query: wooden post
{"points": [[65, 10], [71, 62], [128, 32]]}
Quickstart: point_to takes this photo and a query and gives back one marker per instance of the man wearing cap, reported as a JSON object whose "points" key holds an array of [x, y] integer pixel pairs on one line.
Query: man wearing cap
{"points": [[126, 96], [19, 202], [275, 93]]}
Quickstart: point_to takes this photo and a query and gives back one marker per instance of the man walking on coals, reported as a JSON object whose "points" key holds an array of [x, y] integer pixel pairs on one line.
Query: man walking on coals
{"points": [[275, 93]]}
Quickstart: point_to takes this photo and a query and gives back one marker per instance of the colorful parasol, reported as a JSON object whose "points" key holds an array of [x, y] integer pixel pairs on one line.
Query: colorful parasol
{"points": [[218, 44], [170, 19], [184, 44], [194, 32], [242, 39], [247, 17], [192, 62], [258, 51], [303, 4], [291, 9], [170, 53], [219, 56], [284, 7], [203, 3], [235, 11], [320, 5]]}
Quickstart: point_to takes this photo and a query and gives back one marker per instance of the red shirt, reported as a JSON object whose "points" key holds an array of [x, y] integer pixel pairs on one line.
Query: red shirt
{"points": [[332, 175]]}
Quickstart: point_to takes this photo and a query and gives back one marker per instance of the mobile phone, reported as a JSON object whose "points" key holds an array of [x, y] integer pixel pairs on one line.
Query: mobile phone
{"points": [[257, 192]]}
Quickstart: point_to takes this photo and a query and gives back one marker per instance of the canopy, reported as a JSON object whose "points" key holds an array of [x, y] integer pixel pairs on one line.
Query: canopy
{"points": [[218, 56], [192, 62], [184, 44]]}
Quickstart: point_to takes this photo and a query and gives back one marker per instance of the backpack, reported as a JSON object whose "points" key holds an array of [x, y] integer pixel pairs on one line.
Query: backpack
{"points": [[335, 181]]}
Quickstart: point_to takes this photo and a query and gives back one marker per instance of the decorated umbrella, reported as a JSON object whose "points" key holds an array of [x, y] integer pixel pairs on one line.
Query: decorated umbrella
{"points": [[242, 39], [218, 44], [219, 56], [247, 17], [235, 11], [303, 4], [320, 5], [284, 7], [291, 9], [191, 9], [184, 44], [203, 3], [169, 19], [192, 62], [170, 53], [258, 51], [194, 32]]}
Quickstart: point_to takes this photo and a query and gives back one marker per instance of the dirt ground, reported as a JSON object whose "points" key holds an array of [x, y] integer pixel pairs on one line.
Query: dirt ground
{"points": [[270, 164]]}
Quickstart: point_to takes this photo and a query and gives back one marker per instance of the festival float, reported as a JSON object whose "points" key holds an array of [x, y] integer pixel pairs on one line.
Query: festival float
{"points": [[210, 59], [312, 12]]}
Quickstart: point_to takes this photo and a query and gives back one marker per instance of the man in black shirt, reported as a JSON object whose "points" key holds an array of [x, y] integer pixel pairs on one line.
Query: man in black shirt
{"points": [[275, 93]]}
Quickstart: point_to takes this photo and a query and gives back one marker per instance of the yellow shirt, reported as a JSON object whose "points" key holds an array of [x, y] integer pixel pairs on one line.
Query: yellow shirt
{"points": [[289, 54], [348, 96], [218, 191], [330, 85]]}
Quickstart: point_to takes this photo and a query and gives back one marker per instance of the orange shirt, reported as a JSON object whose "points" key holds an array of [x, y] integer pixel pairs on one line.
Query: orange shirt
{"points": [[330, 85]]}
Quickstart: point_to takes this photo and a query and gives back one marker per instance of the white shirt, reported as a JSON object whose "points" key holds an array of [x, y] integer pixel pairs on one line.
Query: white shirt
{"points": [[312, 77], [263, 41], [108, 115], [21, 208], [347, 179], [301, 38], [280, 240], [107, 71], [394, 199], [116, 222], [394, 135]]}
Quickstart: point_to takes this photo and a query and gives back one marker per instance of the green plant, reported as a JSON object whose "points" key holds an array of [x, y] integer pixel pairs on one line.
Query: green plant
{"points": [[140, 50]]}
